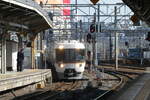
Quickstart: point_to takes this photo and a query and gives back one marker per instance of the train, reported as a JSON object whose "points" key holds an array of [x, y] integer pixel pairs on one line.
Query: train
{"points": [[67, 58]]}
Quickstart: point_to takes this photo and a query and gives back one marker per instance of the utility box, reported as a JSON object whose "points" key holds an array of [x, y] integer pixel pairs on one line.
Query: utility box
{"points": [[146, 54], [135, 53], [11, 55]]}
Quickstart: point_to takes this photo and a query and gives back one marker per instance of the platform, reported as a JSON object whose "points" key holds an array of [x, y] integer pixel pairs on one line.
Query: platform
{"points": [[138, 90], [13, 80]]}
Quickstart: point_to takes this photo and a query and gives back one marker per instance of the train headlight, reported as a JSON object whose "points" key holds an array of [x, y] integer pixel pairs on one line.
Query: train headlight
{"points": [[61, 66], [78, 65], [61, 47]]}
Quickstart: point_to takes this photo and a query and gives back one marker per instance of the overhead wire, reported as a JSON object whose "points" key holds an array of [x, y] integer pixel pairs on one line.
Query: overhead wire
{"points": [[64, 11], [86, 13]]}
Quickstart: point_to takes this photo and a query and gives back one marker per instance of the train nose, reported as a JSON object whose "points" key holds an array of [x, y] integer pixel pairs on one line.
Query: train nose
{"points": [[71, 73]]}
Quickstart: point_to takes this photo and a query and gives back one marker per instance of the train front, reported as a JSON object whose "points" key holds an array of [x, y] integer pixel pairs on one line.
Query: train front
{"points": [[70, 60]]}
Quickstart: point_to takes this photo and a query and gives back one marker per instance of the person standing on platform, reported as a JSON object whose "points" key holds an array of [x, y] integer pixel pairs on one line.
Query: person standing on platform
{"points": [[20, 58]]}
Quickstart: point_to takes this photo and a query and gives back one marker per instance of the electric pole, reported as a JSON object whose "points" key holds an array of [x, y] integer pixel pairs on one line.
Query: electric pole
{"points": [[116, 40], [76, 20]]}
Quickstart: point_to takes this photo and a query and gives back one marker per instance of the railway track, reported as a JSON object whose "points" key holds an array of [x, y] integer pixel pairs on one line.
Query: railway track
{"points": [[123, 77], [96, 93], [129, 69], [50, 94], [72, 90], [125, 66], [63, 93], [129, 72], [104, 95]]}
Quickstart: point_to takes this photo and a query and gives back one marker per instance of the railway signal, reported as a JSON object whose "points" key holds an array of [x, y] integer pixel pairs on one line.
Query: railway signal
{"points": [[135, 20], [148, 37], [126, 44], [92, 28], [89, 38], [94, 1]]}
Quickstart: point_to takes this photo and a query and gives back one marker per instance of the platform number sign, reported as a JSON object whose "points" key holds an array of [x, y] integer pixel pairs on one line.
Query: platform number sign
{"points": [[94, 1]]}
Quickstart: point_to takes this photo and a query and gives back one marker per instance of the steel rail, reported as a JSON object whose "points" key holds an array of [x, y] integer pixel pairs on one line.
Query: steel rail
{"points": [[111, 90], [53, 97], [37, 94], [47, 97]]}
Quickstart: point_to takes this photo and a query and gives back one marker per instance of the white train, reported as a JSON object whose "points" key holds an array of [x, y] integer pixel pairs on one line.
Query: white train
{"points": [[68, 58]]}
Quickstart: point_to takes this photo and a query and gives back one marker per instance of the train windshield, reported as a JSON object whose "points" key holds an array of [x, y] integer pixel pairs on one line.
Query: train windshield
{"points": [[70, 55]]}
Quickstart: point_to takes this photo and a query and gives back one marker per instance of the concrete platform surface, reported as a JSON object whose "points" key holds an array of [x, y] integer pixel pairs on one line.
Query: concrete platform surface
{"points": [[12, 80], [139, 90]]}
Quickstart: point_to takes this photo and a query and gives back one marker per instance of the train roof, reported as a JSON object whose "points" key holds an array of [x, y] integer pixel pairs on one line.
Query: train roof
{"points": [[70, 44]]}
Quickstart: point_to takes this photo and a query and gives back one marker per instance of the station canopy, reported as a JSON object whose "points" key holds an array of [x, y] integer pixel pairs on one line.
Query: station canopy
{"points": [[141, 8], [24, 15]]}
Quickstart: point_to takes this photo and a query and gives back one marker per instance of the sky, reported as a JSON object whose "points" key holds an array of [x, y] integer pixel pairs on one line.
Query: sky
{"points": [[123, 10], [90, 10], [100, 1]]}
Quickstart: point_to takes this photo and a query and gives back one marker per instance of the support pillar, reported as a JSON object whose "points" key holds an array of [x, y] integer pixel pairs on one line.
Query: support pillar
{"points": [[3, 56], [0, 53], [41, 48], [110, 48], [32, 55], [20, 42]]}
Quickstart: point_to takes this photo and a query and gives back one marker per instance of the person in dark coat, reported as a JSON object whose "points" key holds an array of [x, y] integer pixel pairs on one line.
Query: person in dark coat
{"points": [[20, 58]]}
